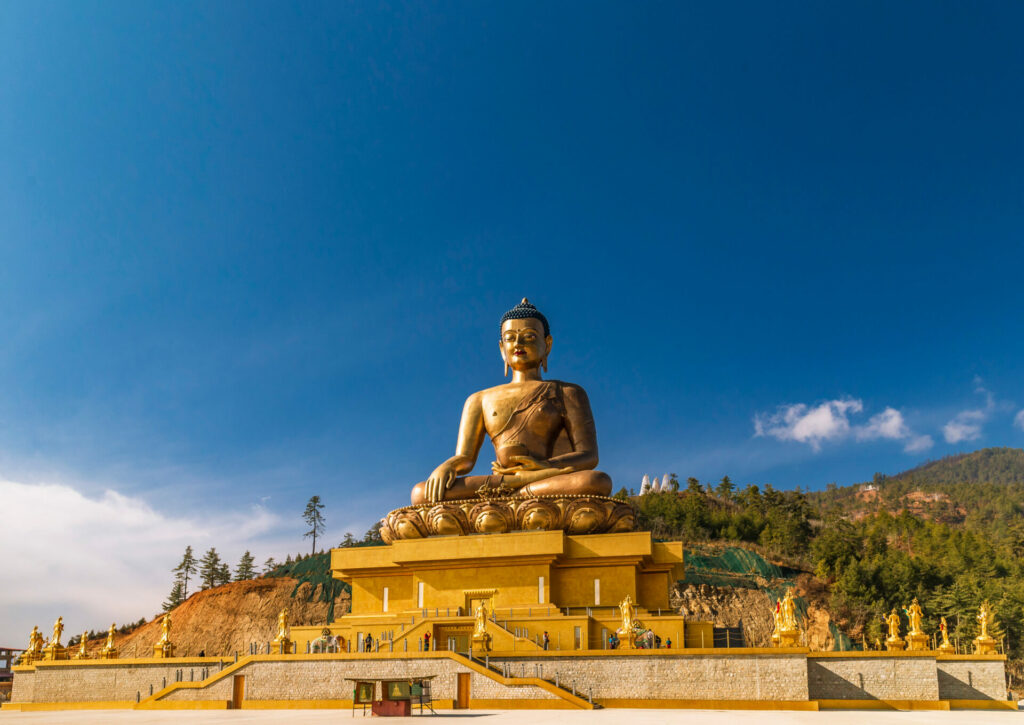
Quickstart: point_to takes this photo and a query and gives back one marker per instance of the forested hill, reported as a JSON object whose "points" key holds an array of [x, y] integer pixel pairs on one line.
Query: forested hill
{"points": [[983, 490], [989, 465]]}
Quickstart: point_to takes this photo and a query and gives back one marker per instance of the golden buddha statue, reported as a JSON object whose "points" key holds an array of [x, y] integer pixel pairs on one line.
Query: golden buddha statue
{"points": [[542, 430], [83, 647], [109, 650], [914, 614]]}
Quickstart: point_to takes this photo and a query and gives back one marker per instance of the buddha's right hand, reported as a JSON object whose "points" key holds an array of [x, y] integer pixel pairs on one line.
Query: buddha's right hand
{"points": [[440, 481]]}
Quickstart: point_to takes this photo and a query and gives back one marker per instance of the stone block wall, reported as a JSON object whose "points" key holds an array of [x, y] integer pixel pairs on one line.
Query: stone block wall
{"points": [[878, 677], [101, 681], [676, 677], [967, 679], [330, 678]]}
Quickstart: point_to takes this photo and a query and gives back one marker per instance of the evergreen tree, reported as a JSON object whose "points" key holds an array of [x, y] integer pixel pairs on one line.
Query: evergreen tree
{"points": [[724, 489], [314, 519], [245, 569], [693, 485], [210, 568], [223, 574], [184, 570], [176, 597], [348, 541], [269, 565], [373, 534]]}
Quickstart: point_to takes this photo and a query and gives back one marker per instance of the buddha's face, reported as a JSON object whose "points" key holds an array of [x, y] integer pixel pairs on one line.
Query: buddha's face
{"points": [[523, 344]]}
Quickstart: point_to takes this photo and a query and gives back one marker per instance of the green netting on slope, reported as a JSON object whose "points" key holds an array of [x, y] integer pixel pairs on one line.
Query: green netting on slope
{"points": [[316, 570], [730, 567], [842, 642]]}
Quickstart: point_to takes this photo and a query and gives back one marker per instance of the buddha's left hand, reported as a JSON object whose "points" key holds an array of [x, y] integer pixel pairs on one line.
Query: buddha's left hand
{"points": [[520, 463]]}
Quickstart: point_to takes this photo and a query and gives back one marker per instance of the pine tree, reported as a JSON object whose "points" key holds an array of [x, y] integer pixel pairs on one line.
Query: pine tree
{"points": [[269, 565], [693, 485], [314, 519], [245, 569], [724, 489], [223, 574], [348, 541], [209, 568], [184, 570], [177, 596]]}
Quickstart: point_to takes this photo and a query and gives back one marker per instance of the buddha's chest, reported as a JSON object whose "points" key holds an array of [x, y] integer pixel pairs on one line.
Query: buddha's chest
{"points": [[527, 411]]}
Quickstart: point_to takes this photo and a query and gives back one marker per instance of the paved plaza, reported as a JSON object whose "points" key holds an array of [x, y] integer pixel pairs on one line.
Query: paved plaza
{"points": [[534, 717]]}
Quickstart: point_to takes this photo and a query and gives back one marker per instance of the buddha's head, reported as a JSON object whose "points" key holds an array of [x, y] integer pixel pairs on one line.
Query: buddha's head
{"points": [[525, 338]]}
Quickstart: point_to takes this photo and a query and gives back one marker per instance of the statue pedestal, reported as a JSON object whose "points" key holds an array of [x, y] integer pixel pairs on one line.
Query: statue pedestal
{"points": [[895, 645], [532, 582], [282, 645], [163, 651], [917, 641], [984, 646], [787, 638], [108, 654], [52, 653], [504, 514], [482, 642], [947, 649]]}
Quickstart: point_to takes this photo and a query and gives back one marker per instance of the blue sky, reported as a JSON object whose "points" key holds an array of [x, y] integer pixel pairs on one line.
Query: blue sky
{"points": [[251, 252]]}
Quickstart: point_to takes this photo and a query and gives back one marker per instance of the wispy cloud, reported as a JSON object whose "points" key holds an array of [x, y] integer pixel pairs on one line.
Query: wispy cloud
{"points": [[94, 560], [830, 421], [967, 424], [889, 424], [1018, 420]]}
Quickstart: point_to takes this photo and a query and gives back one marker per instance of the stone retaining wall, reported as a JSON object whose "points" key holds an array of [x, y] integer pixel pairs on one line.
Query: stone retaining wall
{"points": [[965, 679], [850, 677], [93, 681], [687, 677]]}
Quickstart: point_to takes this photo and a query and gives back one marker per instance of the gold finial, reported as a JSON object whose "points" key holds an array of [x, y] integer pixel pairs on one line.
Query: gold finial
{"points": [[525, 301]]}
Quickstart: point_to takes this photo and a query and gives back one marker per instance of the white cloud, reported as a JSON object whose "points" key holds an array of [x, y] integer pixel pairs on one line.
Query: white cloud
{"points": [[1019, 420], [804, 424], [830, 421], [966, 426], [97, 560], [889, 424]]}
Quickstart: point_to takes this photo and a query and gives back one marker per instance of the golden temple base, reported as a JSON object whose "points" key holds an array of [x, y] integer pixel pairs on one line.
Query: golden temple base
{"points": [[51, 654], [163, 651], [984, 646], [917, 642], [787, 638], [895, 645], [573, 514]]}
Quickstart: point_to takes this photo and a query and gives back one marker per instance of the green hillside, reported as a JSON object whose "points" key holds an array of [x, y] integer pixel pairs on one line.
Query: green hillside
{"points": [[989, 465]]}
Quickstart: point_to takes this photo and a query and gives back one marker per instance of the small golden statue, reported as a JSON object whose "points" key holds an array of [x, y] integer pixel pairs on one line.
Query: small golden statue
{"points": [[481, 639], [35, 648], [630, 624], [83, 652], [916, 638], [164, 647], [109, 651], [53, 650], [892, 623], [946, 647], [545, 443], [787, 626], [282, 641], [984, 644]]}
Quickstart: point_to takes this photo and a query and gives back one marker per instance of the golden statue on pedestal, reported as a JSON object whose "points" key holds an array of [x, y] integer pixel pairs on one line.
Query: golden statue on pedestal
{"points": [[946, 647], [546, 448], [164, 648], [787, 626], [481, 639], [984, 644], [282, 641], [630, 624], [53, 650], [109, 651], [892, 622], [916, 638], [35, 647], [83, 653]]}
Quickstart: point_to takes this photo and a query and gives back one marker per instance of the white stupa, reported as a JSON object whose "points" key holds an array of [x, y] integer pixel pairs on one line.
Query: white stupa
{"points": [[645, 485]]}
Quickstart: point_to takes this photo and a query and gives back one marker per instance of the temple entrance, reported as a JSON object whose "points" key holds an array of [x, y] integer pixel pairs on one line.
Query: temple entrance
{"points": [[462, 691], [237, 692]]}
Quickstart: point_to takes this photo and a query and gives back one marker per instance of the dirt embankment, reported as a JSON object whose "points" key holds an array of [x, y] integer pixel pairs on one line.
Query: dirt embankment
{"points": [[752, 610], [228, 618]]}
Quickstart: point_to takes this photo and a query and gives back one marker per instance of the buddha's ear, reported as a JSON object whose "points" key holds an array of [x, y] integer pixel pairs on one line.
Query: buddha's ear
{"points": [[544, 361], [501, 351]]}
